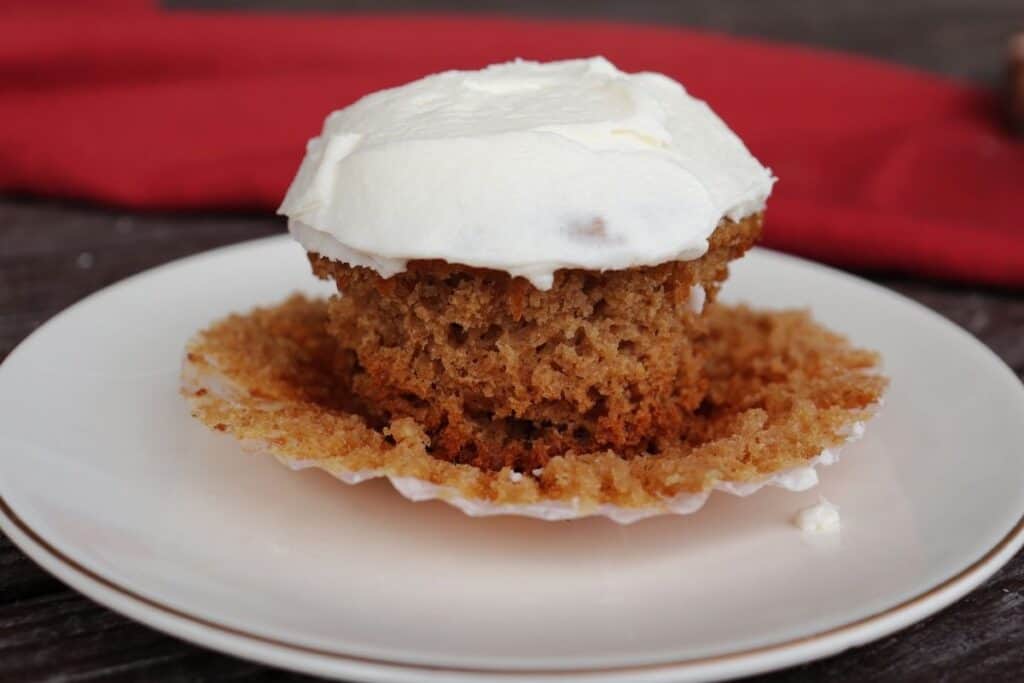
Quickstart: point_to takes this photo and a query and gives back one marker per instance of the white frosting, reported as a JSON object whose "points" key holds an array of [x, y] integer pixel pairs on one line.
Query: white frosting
{"points": [[821, 518], [523, 167]]}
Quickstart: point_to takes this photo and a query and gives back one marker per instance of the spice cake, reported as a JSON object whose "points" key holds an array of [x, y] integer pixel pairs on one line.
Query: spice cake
{"points": [[527, 259]]}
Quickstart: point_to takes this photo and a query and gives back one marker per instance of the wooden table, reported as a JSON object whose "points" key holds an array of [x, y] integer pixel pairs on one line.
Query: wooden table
{"points": [[52, 254]]}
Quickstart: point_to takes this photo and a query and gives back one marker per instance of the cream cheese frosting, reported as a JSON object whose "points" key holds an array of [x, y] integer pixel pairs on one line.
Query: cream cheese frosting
{"points": [[524, 167], [821, 518]]}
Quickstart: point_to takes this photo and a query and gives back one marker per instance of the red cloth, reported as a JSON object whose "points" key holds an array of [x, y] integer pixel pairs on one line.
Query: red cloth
{"points": [[880, 166]]}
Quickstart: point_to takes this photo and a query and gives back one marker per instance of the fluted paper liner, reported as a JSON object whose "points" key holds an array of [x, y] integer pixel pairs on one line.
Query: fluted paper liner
{"points": [[233, 385]]}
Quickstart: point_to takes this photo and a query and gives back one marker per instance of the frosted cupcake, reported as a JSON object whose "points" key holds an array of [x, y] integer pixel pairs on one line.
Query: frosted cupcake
{"points": [[524, 253], [527, 260]]}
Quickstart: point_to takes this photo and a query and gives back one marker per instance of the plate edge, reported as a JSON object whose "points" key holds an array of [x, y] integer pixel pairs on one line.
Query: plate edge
{"points": [[923, 604]]}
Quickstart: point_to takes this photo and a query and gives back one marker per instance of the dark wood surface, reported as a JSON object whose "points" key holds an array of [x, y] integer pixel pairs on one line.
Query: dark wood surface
{"points": [[52, 254]]}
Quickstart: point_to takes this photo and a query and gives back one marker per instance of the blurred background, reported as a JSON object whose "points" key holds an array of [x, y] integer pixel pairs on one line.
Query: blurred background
{"points": [[961, 38]]}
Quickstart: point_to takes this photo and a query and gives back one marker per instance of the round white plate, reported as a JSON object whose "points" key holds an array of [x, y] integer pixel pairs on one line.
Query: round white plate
{"points": [[109, 484]]}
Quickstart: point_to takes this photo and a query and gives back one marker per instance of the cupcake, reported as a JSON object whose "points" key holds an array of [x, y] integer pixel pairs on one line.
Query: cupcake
{"points": [[527, 259]]}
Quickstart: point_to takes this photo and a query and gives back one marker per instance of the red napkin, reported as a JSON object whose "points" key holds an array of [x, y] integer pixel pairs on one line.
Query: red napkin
{"points": [[879, 166]]}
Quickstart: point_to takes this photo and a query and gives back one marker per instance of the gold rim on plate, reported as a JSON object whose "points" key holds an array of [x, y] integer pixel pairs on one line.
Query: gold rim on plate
{"points": [[1013, 536]]}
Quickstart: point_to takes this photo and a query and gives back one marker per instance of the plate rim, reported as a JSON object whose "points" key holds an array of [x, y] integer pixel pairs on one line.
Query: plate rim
{"points": [[190, 627], [207, 632]]}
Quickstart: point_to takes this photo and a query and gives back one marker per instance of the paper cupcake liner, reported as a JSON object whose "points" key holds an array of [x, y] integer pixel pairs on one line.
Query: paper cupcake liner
{"points": [[241, 377], [417, 490]]}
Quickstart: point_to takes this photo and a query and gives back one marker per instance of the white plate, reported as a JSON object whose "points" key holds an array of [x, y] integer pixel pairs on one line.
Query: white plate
{"points": [[109, 484]]}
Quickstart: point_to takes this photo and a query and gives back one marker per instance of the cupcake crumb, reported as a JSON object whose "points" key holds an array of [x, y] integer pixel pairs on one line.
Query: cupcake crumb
{"points": [[820, 518]]}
